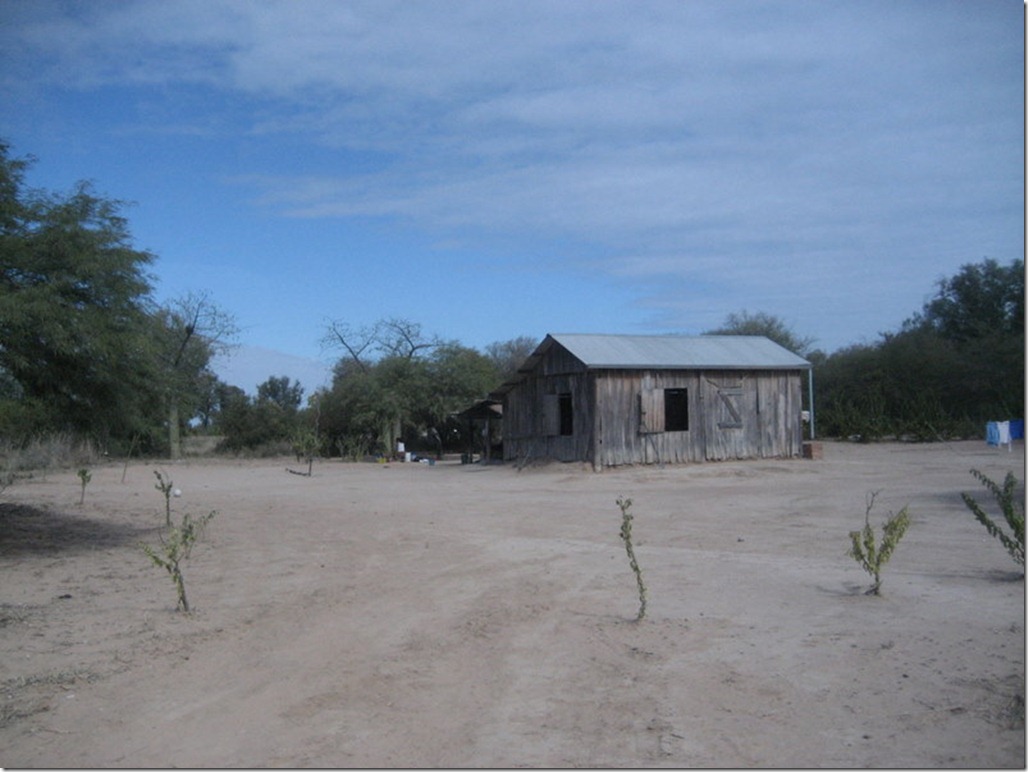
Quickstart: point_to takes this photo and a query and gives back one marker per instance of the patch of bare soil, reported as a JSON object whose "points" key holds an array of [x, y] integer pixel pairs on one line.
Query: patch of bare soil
{"points": [[463, 615]]}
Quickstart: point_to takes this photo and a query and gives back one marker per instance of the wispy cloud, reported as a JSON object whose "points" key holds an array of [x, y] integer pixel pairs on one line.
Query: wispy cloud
{"points": [[748, 142]]}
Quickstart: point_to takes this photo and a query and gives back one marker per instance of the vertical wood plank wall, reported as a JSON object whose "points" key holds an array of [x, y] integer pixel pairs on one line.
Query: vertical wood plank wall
{"points": [[609, 429], [527, 435]]}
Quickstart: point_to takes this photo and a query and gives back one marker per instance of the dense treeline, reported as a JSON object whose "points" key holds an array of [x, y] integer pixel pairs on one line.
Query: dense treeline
{"points": [[951, 367], [85, 350], [947, 370], [396, 384]]}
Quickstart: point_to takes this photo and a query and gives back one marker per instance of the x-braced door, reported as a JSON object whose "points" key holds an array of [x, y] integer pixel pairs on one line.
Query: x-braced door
{"points": [[730, 417]]}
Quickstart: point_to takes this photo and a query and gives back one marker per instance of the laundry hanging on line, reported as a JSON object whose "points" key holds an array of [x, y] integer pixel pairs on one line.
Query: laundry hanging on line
{"points": [[1004, 432]]}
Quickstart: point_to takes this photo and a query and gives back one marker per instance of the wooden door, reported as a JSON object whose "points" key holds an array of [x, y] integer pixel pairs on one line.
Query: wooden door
{"points": [[730, 417]]}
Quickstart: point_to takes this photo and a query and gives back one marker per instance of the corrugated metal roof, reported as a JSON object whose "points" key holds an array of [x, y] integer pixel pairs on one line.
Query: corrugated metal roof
{"points": [[665, 352], [740, 352]]}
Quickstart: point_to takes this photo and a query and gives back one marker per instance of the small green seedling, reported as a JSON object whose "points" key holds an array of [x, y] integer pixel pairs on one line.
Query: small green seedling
{"points": [[165, 487], [1012, 509], [175, 548], [305, 446], [85, 477], [626, 536], [864, 549]]}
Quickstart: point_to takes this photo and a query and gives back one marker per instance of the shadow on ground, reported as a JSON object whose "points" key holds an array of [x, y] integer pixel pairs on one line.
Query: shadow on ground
{"points": [[26, 530]]}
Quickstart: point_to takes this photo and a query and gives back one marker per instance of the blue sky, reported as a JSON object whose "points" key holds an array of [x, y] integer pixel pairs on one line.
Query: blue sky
{"points": [[497, 169]]}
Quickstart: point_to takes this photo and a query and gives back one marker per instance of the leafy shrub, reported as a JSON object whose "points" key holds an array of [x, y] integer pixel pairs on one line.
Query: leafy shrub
{"points": [[176, 547], [864, 548], [1011, 508]]}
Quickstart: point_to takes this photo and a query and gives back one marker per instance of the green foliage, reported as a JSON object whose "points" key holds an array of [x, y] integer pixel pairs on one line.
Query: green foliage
{"points": [[187, 334], [958, 363], [982, 300], [175, 546], [282, 392], [306, 443], [84, 478], [74, 296], [865, 549], [353, 448], [626, 536], [761, 323], [270, 421], [84, 348], [176, 541], [455, 377], [165, 486], [1010, 506], [411, 391]]}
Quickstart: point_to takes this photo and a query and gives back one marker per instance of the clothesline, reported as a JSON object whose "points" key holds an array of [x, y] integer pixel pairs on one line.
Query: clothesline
{"points": [[1004, 432]]}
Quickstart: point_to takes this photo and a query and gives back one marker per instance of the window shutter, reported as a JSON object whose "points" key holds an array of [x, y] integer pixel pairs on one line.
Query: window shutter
{"points": [[729, 416], [551, 415]]}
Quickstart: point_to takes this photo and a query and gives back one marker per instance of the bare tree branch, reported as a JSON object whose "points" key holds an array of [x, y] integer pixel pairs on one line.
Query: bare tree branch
{"points": [[354, 341], [403, 338]]}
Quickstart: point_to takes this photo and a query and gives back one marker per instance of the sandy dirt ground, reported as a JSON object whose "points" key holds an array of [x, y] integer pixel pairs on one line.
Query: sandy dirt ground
{"points": [[408, 615]]}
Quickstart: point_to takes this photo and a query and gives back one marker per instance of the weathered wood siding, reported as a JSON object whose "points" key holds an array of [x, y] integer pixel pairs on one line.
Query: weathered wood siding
{"points": [[618, 416], [531, 426], [631, 418], [751, 414]]}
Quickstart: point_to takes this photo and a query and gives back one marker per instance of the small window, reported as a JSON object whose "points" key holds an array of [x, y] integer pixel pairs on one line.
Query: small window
{"points": [[676, 410], [567, 421]]}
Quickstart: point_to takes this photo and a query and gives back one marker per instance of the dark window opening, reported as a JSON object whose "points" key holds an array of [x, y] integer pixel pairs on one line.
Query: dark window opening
{"points": [[567, 423], [676, 410]]}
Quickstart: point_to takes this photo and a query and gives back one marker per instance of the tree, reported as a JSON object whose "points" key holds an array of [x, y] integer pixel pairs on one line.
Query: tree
{"points": [[983, 300], [282, 392], [355, 412], [412, 390], [403, 338], [979, 313], [74, 301], [456, 377], [394, 337], [401, 346], [355, 341], [770, 326], [210, 389], [508, 355], [248, 423], [950, 367], [850, 393], [191, 330]]}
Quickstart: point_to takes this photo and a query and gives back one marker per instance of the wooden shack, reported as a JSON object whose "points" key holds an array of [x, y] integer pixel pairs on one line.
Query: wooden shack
{"points": [[641, 399]]}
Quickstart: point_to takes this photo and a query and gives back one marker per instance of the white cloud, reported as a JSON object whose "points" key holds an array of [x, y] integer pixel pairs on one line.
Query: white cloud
{"points": [[680, 140]]}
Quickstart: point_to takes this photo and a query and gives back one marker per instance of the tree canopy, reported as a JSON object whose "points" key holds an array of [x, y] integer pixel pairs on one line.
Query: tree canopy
{"points": [[762, 323], [983, 301], [74, 309], [411, 391], [954, 365], [83, 346]]}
